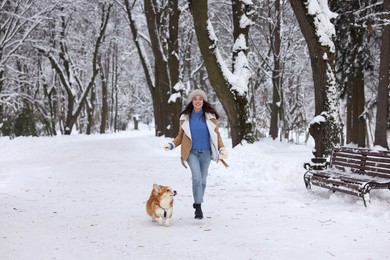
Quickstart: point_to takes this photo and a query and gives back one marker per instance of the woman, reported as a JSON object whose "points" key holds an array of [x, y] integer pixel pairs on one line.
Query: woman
{"points": [[200, 142]]}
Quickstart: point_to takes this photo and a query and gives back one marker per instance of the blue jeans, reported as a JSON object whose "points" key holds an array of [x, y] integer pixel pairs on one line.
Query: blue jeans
{"points": [[199, 161]]}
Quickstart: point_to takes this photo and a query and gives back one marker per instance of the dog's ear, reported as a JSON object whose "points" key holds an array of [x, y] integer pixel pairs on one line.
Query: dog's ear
{"points": [[156, 189]]}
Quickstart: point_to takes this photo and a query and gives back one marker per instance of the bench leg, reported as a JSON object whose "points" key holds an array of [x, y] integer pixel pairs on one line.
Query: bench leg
{"points": [[307, 182], [366, 198], [366, 194]]}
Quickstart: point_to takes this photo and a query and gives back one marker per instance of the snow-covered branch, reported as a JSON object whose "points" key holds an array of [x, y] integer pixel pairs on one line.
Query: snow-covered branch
{"points": [[322, 16]]}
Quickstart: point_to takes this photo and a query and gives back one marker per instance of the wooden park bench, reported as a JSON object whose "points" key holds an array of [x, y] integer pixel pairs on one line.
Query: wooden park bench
{"points": [[353, 171]]}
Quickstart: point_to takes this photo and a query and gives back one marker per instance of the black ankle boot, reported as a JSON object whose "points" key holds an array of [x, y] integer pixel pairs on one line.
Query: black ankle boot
{"points": [[198, 211]]}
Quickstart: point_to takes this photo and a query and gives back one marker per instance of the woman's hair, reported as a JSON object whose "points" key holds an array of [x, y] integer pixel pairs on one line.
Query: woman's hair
{"points": [[207, 108]]}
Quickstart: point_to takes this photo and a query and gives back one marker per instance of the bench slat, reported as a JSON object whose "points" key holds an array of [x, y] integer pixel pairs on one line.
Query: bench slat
{"points": [[374, 170], [383, 166], [375, 174], [342, 182], [347, 156], [383, 173], [345, 176], [352, 165], [357, 159], [383, 153], [332, 187]]}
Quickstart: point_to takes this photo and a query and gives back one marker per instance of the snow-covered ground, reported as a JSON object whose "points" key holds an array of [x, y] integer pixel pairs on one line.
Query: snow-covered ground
{"points": [[83, 197]]}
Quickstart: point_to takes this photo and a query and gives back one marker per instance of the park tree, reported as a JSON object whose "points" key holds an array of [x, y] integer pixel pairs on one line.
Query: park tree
{"points": [[382, 115], [353, 60], [276, 108], [230, 86], [162, 18], [314, 20], [64, 63], [18, 22]]}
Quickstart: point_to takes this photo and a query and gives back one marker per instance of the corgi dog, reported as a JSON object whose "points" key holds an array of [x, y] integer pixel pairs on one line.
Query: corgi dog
{"points": [[160, 204]]}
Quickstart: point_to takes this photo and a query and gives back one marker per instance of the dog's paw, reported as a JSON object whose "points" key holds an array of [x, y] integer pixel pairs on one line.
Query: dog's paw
{"points": [[167, 221]]}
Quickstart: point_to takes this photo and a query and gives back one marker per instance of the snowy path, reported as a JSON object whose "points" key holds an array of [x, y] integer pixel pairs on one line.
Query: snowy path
{"points": [[83, 197]]}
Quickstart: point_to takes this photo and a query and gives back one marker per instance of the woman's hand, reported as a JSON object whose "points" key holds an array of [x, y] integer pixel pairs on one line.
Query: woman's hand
{"points": [[168, 146], [223, 153]]}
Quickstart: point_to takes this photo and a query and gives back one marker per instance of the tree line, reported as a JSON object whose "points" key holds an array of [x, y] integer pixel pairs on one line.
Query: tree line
{"points": [[273, 67]]}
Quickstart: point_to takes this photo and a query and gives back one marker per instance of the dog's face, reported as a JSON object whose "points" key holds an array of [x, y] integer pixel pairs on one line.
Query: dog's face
{"points": [[163, 192]]}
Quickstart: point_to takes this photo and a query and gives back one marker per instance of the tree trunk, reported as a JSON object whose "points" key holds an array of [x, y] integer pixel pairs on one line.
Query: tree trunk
{"points": [[135, 121], [234, 103], [325, 127], [173, 65], [2, 78], [52, 107], [114, 91], [104, 71], [91, 112], [349, 116], [276, 74], [161, 74], [358, 131], [382, 116]]}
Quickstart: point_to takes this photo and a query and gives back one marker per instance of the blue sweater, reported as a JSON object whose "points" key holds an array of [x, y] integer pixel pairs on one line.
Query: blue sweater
{"points": [[199, 131]]}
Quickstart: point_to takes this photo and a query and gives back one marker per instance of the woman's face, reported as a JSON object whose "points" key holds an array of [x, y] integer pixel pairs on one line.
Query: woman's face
{"points": [[197, 102]]}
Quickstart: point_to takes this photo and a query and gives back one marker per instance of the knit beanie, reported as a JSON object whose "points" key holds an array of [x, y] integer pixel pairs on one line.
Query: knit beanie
{"points": [[196, 92]]}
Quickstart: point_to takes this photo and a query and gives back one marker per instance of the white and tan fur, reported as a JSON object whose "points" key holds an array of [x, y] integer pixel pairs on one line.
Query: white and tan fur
{"points": [[160, 204]]}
